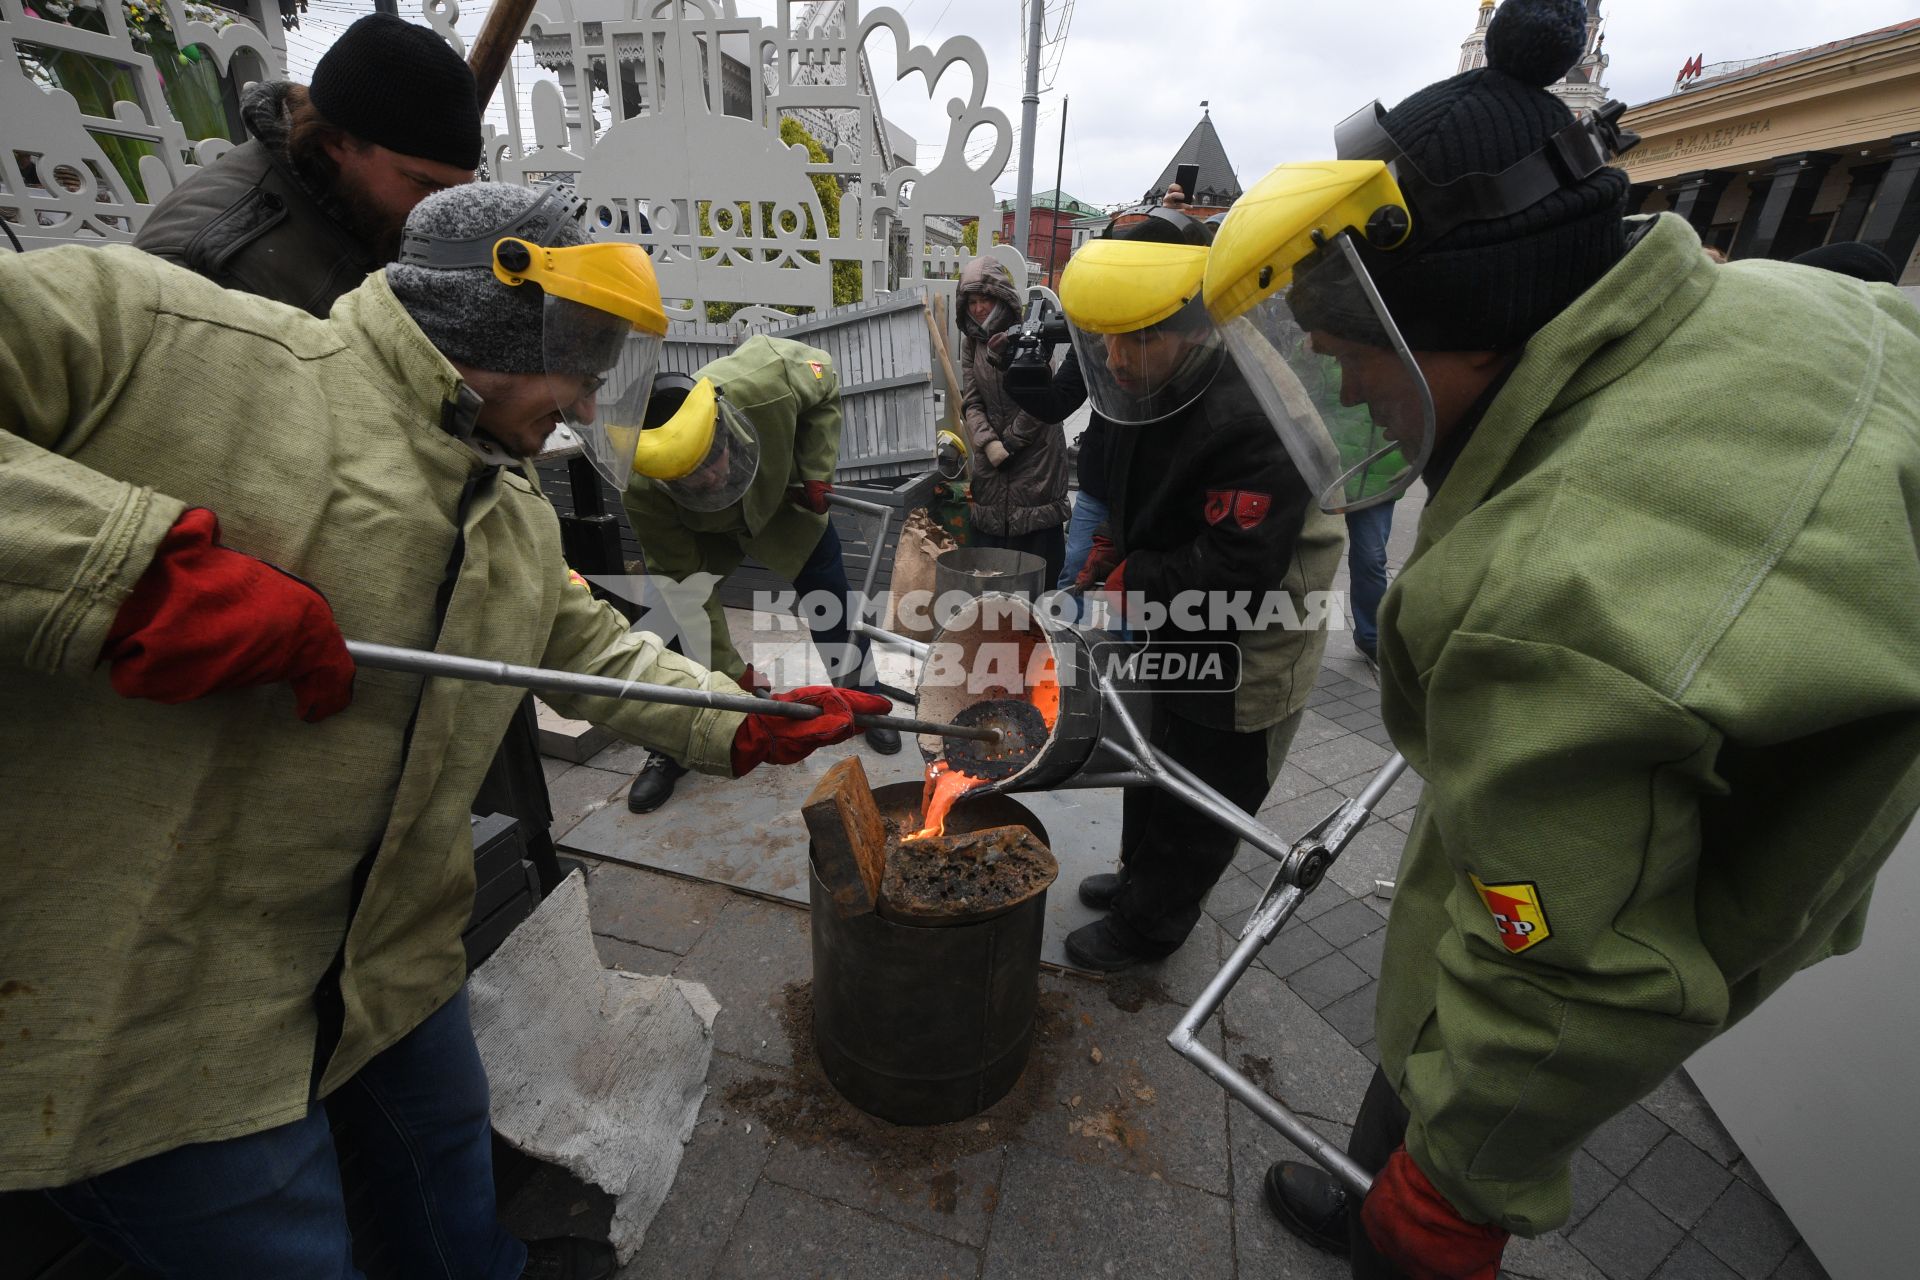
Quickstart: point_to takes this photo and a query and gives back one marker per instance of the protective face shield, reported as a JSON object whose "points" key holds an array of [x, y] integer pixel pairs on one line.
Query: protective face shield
{"points": [[602, 319], [696, 445], [1146, 344], [1291, 282]]}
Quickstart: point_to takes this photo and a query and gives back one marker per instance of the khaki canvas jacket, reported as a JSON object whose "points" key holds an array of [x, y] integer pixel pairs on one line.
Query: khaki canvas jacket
{"points": [[790, 393], [1657, 656], [179, 879]]}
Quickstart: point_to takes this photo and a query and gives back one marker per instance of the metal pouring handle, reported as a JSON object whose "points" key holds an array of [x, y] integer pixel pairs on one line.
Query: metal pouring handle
{"points": [[386, 657]]}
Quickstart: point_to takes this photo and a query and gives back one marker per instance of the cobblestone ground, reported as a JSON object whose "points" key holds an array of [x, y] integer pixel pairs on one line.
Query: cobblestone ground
{"points": [[1112, 1156]]}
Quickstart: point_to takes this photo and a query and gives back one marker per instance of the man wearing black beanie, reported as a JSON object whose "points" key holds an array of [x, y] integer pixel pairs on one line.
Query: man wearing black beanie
{"points": [[1656, 485], [317, 197]]}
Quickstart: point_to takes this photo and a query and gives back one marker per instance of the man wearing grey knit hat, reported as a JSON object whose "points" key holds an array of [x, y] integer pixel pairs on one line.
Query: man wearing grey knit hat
{"points": [[1655, 485], [201, 494]]}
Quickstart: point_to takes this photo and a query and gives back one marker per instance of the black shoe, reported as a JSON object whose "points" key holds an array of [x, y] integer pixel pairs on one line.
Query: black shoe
{"points": [[1099, 891], [885, 741], [1108, 947], [1310, 1204], [568, 1258], [654, 785]]}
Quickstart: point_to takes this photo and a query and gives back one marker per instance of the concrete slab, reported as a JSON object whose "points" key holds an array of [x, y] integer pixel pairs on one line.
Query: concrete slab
{"points": [[791, 1234], [1062, 1218], [1276, 1040], [663, 912], [746, 959], [953, 1198], [1261, 1246]]}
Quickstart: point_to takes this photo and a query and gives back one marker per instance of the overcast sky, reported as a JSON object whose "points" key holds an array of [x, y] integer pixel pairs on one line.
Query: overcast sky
{"points": [[1278, 73]]}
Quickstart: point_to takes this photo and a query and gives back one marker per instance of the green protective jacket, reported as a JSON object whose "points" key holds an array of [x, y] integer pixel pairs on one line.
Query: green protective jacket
{"points": [[180, 879], [791, 395], [1657, 656]]}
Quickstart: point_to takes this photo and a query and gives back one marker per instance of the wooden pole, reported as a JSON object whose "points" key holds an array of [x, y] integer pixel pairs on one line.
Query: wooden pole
{"points": [[494, 45]]}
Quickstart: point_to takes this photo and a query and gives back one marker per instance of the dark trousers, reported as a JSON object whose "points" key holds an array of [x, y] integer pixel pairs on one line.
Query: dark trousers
{"points": [[1367, 532], [826, 571], [1050, 544], [271, 1204], [1380, 1127], [1171, 854]]}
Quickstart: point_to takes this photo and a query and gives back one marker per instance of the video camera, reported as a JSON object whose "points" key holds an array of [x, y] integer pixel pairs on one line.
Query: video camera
{"points": [[1029, 352]]}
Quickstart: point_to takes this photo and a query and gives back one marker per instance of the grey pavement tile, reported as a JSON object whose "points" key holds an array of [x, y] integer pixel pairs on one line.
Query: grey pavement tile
{"points": [[1139, 1108], [1625, 1237], [746, 959], [552, 768], [790, 1234], [1320, 697], [1342, 686], [1367, 699], [1691, 1261], [1680, 1180], [954, 1198], [1679, 1102], [1326, 896], [1357, 721], [1368, 952], [659, 911], [1800, 1265], [1743, 1169], [1404, 821], [1372, 1051], [1624, 1141], [1379, 736], [1295, 949], [1261, 1246], [1277, 1040], [1327, 979], [580, 791], [718, 1170], [631, 957], [1352, 1015], [1349, 922], [1403, 795], [1548, 1257], [1341, 758], [1181, 977], [1372, 855], [622, 757], [1314, 729], [1061, 1218], [1592, 1183], [1337, 707], [1747, 1231], [1290, 783], [1233, 894]]}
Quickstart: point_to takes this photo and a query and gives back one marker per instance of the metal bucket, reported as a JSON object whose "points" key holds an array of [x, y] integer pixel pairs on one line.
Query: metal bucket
{"points": [[971, 571], [926, 1025]]}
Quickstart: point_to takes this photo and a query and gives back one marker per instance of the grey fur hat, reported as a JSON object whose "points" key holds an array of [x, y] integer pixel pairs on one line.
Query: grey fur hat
{"points": [[465, 310]]}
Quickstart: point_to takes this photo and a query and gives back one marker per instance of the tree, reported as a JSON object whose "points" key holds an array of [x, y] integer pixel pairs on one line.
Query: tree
{"points": [[970, 236], [847, 276]]}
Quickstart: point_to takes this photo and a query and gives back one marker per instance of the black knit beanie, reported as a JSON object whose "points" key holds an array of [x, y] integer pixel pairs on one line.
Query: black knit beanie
{"points": [[1491, 285], [400, 85], [469, 314], [1853, 258]]}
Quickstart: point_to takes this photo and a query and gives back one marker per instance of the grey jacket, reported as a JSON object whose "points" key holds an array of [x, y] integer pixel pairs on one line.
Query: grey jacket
{"points": [[1029, 492], [247, 221]]}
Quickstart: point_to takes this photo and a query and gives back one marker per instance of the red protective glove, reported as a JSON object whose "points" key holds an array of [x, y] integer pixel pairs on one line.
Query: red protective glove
{"points": [[810, 495], [203, 618], [1102, 560], [753, 682], [1415, 1228], [784, 741]]}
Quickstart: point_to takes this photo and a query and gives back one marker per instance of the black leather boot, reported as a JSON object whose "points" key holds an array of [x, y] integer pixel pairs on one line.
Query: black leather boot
{"points": [[1310, 1204], [568, 1258], [654, 785], [1099, 891], [1109, 946], [884, 741]]}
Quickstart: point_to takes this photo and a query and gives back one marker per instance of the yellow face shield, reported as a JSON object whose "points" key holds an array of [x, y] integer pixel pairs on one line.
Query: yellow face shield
{"points": [[697, 446], [1145, 343], [1302, 319], [604, 324]]}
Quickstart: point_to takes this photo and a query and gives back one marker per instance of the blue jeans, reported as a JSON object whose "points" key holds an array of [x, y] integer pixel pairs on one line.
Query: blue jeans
{"points": [[1367, 532], [1089, 513], [270, 1203], [826, 570]]}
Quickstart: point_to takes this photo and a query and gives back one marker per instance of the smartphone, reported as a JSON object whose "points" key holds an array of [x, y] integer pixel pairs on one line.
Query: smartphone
{"points": [[1187, 177]]}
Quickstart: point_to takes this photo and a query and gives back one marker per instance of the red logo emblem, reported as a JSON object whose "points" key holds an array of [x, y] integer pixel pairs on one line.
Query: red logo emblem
{"points": [[1219, 504], [1250, 507]]}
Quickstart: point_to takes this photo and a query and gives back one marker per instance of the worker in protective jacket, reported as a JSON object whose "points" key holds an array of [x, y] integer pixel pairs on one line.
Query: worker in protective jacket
{"points": [[239, 869], [1655, 652], [737, 460], [1213, 550]]}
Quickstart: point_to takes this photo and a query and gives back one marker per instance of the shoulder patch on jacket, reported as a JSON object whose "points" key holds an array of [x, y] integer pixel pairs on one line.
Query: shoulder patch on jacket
{"points": [[819, 370], [1519, 913], [1248, 507]]}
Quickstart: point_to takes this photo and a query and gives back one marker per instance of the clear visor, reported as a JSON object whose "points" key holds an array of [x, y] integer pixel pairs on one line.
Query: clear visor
{"points": [[724, 475], [1147, 375], [1329, 367], [601, 369]]}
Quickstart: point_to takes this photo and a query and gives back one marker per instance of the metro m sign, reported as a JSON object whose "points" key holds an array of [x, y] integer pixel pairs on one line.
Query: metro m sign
{"points": [[1691, 70]]}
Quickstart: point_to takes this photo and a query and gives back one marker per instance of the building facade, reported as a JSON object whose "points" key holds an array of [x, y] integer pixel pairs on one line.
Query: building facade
{"points": [[1050, 240], [1582, 89], [1781, 155]]}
